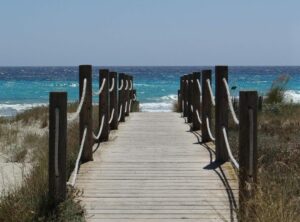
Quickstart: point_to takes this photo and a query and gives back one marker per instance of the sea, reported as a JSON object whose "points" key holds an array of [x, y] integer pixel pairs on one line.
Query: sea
{"points": [[22, 88]]}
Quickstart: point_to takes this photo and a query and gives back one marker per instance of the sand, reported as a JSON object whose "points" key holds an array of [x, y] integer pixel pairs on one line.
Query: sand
{"points": [[12, 173]]}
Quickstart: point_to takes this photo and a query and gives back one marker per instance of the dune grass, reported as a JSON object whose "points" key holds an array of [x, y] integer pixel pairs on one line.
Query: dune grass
{"points": [[278, 189], [29, 202]]}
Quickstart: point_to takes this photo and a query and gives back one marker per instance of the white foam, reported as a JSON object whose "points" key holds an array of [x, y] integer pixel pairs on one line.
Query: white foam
{"points": [[13, 109], [171, 97], [292, 96], [156, 107]]}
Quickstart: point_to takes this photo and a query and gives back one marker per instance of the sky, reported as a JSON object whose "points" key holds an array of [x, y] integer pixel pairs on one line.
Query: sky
{"points": [[149, 32]]}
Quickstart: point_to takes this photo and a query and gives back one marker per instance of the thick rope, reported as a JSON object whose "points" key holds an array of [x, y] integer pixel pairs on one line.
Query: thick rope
{"points": [[111, 116], [235, 119], [112, 85], [192, 108], [100, 130], [199, 86], [131, 85], [198, 116], [208, 130], [82, 99], [72, 183], [121, 86], [120, 113], [126, 87], [130, 105], [210, 93], [101, 88], [134, 97], [251, 136], [233, 160]]}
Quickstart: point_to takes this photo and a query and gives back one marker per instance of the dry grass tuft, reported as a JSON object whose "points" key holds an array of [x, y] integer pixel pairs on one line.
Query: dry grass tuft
{"points": [[29, 202], [278, 196]]}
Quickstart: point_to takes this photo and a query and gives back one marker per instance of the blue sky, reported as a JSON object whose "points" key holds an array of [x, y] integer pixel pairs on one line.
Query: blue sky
{"points": [[149, 32]]}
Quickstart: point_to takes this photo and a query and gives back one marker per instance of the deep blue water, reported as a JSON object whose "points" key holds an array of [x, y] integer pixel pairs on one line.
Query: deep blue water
{"points": [[23, 87]]}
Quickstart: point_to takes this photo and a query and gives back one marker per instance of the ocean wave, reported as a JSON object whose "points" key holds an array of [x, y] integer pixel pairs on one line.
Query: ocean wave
{"points": [[171, 97], [13, 109], [292, 96], [156, 107]]}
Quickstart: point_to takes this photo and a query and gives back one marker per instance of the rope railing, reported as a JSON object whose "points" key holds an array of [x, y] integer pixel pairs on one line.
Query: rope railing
{"points": [[221, 103], [101, 88], [112, 85], [208, 130], [100, 129], [199, 86], [198, 117], [111, 116], [122, 85], [82, 99], [235, 119], [233, 160], [59, 119], [73, 180], [120, 113], [210, 93], [131, 85], [130, 105]]}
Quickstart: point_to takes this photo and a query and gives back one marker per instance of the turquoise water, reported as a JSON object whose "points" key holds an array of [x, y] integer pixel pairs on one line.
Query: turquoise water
{"points": [[24, 87]]}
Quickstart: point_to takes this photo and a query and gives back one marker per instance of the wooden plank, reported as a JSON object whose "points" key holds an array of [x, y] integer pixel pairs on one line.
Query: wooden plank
{"points": [[156, 170]]}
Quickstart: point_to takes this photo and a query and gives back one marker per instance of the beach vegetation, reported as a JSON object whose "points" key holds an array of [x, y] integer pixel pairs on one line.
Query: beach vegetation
{"points": [[278, 189], [29, 201], [277, 91]]}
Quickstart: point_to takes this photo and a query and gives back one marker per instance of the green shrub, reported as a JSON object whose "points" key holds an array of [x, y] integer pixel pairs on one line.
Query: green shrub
{"points": [[278, 88]]}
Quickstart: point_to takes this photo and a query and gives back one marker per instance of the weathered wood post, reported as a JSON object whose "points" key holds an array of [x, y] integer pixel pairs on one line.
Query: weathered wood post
{"points": [[196, 97], [260, 103], [180, 93], [57, 147], [206, 105], [185, 96], [85, 117], [104, 106], [114, 100], [122, 96], [247, 148], [190, 99], [135, 102], [127, 80], [221, 113]]}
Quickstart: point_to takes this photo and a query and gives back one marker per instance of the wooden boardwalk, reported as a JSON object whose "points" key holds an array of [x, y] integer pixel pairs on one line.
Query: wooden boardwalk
{"points": [[155, 169]]}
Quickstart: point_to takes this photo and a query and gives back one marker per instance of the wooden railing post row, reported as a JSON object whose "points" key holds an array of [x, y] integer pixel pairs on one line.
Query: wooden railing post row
{"points": [[196, 97], [57, 147], [247, 148], [180, 92], [114, 100], [221, 113], [190, 98], [85, 117], [127, 78], [185, 96], [104, 106], [206, 105], [122, 96]]}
